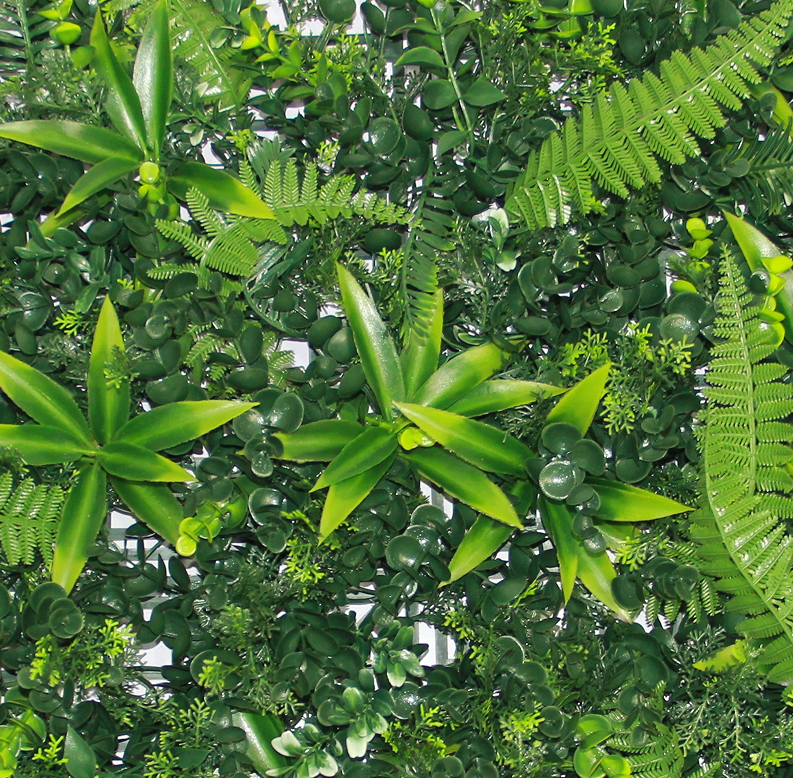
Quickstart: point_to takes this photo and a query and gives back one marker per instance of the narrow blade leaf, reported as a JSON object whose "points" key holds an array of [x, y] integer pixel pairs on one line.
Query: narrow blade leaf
{"points": [[579, 406], [500, 394], [259, 733], [375, 347], [108, 404], [224, 192], [136, 463], [460, 375], [419, 357], [83, 513], [344, 497], [123, 104], [370, 448], [41, 398], [39, 445], [153, 504], [480, 543], [480, 444], [319, 441], [72, 139], [153, 75], [464, 482], [176, 423], [95, 180], [622, 502], [558, 523]]}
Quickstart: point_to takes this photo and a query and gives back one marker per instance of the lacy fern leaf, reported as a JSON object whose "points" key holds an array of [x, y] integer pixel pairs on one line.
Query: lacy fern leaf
{"points": [[29, 516], [23, 35], [661, 758], [740, 526], [622, 134]]}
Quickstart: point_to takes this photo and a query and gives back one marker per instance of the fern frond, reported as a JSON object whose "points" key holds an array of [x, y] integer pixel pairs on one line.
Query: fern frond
{"points": [[661, 758], [740, 526], [184, 235], [618, 139], [23, 35]]}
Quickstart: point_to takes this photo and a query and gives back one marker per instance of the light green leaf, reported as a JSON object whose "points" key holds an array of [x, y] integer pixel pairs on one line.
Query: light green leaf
{"points": [[99, 177], [464, 482], [136, 463], [319, 441], [122, 104], [499, 394], [83, 514], [480, 444], [224, 192], [344, 497], [175, 423], [367, 450], [422, 56], [375, 347], [419, 357], [153, 75], [153, 504], [579, 406], [259, 733], [480, 543], [455, 378], [80, 757], [108, 405], [622, 502], [40, 445], [41, 398], [72, 139], [482, 93]]}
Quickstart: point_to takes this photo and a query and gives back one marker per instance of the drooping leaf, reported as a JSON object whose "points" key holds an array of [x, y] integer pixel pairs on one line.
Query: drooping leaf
{"points": [[108, 403], [364, 452], [41, 398], [375, 347], [99, 177], [175, 423], [484, 538], [579, 406], [419, 357], [465, 482], [480, 444], [319, 441], [344, 497], [136, 463], [83, 513], [623, 502], [152, 504], [40, 445], [499, 394]]}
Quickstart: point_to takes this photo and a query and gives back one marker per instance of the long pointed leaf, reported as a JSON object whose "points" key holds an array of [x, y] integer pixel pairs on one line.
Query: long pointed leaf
{"points": [[41, 398], [370, 448], [72, 139], [344, 497], [375, 347], [500, 394], [153, 504], [224, 192], [622, 502], [419, 357], [83, 513], [176, 423], [480, 444], [123, 104], [480, 543], [579, 406], [153, 75], [464, 482], [558, 524], [39, 445], [136, 463], [319, 441], [108, 404], [99, 177], [455, 378]]}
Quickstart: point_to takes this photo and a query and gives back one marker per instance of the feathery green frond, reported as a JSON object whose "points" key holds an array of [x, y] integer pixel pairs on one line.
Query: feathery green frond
{"points": [[23, 35], [29, 516], [740, 526], [661, 758], [620, 137]]}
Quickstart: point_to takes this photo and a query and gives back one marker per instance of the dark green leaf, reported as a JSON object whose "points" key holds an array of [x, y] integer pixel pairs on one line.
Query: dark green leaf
{"points": [[80, 757]]}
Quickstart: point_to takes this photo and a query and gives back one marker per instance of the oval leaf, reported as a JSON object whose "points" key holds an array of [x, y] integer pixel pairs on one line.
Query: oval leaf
{"points": [[84, 512], [136, 463], [370, 448], [80, 757], [108, 404], [375, 347], [482, 93], [176, 423], [480, 543], [464, 482], [419, 357], [40, 445], [423, 56], [319, 441], [480, 444], [41, 398], [622, 502], [579, 406], [153, 504], [499, 394]]}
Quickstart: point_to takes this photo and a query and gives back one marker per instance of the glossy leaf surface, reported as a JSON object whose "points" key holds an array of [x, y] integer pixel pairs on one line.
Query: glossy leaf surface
{"points": [[579, 406], [319, 441], [364, 452], [99, 177], [259, 733], [40, 445], [136, 463], [500, 394], [419, 357], [485, 537], [152, 504], [623, 502]]}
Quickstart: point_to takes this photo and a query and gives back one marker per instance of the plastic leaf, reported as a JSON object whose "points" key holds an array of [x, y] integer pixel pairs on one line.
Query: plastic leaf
{"points": [[500, 394], [419, 357], [579, 406], [40, 445], [622, 502], [319, 441], [99, 177], [367, 450], [80, 757], [484, 538], [152, 504], [136, 463]]}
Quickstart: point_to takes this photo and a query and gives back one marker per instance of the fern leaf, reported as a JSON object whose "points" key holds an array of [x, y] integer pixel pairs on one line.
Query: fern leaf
{"points": [[658, 116]]}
